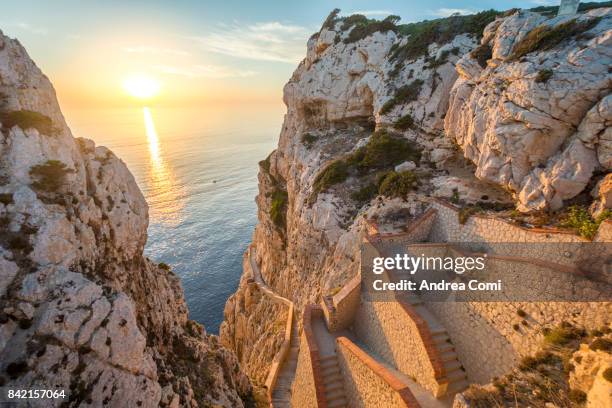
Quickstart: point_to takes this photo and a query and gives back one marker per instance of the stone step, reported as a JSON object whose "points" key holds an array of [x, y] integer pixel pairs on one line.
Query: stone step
{"points": [[329, 363], [445, 347], [455, 376], [340, 402], [328, 379], [456, 387], [452, 365], [334, 385], [329, 370], [440, 338], [334, 395], [448, 356]]}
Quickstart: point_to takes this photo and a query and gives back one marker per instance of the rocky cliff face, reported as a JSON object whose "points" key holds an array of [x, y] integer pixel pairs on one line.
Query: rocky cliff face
{"points": [[81, 309], [488, 125]]}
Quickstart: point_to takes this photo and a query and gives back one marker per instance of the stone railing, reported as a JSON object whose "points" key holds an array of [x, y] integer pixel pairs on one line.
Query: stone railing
{"points": [[339, 309], [308, 389], [425, 362], [367, 382], [283, 352]]}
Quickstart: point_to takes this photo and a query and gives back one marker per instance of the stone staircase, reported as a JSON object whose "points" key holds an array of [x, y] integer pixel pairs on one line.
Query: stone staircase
{"points": [[333, 382], [281, 395], [454, 371]]}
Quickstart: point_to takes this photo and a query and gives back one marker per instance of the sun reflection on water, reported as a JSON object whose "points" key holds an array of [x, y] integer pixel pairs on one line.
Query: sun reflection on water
{"points": [[165, 195]]}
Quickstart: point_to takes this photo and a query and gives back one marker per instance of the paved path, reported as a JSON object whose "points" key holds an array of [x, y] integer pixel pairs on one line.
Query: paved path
{"points": [[281, 394]]}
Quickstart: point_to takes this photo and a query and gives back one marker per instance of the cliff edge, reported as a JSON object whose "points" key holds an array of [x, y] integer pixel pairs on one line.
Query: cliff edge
{"points": [[81, 308]]}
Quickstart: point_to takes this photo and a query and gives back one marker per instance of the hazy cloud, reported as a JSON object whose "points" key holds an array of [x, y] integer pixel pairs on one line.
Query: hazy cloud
{"points": [[146, 49], [268, 41], [445, 12], [203, 71], [26, 27], [545, 2]]}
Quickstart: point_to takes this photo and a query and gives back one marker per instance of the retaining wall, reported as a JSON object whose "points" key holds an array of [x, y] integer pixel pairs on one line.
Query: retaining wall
{"points": [[367, 383], [340, 309]]}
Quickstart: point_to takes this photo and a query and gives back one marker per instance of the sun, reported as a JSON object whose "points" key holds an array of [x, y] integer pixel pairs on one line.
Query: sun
{"points": [[141, 86]]}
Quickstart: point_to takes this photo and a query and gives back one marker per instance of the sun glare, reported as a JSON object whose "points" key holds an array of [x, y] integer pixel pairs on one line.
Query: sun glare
{"points": [[141, 87]]}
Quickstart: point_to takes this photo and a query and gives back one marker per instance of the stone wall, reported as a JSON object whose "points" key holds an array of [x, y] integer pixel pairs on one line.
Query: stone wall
{"points": [[367, 383], [490, 338], [487, 231], [340, 309], [391, 333], [307, 389]]}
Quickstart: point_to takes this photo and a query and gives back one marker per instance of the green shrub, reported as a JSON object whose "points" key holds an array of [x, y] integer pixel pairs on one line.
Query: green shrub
{"points": [[543, 75], [384, 150], [607, 374], [404, 123], [278, 208], [465, 213], [434, 63], [365, 193], [27, 119], [440, 31], [577, 396], [398, 184], [482, 54], [308, 139], [336, 172], [331, 19], [6, 198], [405, 94], [544, 38], [601, 344], [578, 218], [164, 266], [561, 335], [364, 27], [50, 175]]}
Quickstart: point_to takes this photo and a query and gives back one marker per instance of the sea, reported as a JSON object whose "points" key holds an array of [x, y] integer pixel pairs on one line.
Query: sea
{"points": [[197, 168]]}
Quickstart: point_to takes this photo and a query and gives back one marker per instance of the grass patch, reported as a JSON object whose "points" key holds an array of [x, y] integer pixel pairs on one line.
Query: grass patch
{"points": [[482, 54], [439, 31], [398, 184], [404, 123], [563, 334], [278, 208], [543, 76], [27, 119], [544, 38], [308, 139], [49, 176], [405, 94], [579, 219]]}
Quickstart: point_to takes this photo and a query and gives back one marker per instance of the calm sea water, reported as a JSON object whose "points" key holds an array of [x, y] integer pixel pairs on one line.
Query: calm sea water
{"points": [[198, 171]]}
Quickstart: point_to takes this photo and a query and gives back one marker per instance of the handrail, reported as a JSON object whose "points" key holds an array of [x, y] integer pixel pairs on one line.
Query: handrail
{"points": [[399, 386], [285, 348]]}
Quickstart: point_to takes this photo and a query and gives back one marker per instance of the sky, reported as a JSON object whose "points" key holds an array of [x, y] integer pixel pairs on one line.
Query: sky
{"points": [[199, 51]]}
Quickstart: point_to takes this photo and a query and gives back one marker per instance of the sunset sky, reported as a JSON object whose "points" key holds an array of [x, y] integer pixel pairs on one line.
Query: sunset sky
{"points": [[198, 51]]}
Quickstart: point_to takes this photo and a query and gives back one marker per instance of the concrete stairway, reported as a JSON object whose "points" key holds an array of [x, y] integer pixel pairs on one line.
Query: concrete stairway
{"points": [[281, 395], [333, 382], [455, 373]]}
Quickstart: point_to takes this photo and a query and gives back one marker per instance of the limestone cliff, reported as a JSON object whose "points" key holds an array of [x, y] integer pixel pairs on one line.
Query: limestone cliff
{"points": [[81, 308], [470, 121]]}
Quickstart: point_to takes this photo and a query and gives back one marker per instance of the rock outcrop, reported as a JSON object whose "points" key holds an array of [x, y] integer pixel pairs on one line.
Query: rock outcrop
{"points": [[537, 123], [453, 92], [81, 308]]}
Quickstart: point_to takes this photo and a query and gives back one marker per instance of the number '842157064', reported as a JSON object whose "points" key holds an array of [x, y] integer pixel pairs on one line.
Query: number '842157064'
{"points": [[33, 393]]}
